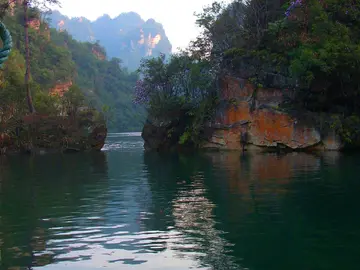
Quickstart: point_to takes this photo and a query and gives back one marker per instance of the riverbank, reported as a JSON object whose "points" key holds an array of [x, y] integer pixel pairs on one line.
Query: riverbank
{"points": [[45, 134], [251, 118]]}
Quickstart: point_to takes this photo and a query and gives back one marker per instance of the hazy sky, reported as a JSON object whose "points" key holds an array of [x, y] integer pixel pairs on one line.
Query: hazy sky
{"points": [[175, 15]]}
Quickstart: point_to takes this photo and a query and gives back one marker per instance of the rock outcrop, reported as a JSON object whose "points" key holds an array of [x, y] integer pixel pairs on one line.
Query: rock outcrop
{"points": [[163, 133], [99, 55], [253, 118], [35, 24], [40, 133], [61, 88], [250, 118]]}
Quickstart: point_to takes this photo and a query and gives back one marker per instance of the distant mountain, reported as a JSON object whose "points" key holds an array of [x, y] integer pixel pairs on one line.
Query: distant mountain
{"points": [[127, 36]]}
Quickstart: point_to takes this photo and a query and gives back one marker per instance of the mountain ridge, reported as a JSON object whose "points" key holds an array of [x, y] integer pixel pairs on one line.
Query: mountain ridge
{"points": [[127, 36]]}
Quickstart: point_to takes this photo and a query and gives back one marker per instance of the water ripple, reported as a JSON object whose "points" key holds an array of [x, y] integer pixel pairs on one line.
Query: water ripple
{"points": [[124, 209]]}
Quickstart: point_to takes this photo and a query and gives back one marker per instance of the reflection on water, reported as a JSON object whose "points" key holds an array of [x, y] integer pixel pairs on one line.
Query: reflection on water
{"points": [[122, 208]]}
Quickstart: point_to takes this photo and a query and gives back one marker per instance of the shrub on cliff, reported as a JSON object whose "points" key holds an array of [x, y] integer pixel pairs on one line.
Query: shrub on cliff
{"points": [[182, 85]]}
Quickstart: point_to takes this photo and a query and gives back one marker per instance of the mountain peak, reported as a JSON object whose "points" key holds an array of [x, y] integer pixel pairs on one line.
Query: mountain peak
{"points": [[129, 15], [151, 21], [104, 17], [127, 36]]}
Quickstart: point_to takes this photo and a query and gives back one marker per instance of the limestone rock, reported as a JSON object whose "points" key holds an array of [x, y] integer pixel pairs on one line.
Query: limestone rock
{"points": [[162, 133], [257, 113]]}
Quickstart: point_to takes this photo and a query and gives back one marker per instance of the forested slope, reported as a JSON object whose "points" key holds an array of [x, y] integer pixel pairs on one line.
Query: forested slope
{"points": [[59, 62]]}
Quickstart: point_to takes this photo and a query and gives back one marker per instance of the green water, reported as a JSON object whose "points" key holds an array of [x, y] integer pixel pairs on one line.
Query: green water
{"points": [[124, 209]]}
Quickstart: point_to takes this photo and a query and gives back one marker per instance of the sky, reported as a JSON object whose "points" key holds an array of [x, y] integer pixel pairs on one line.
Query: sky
{"points": [[175, 15]]}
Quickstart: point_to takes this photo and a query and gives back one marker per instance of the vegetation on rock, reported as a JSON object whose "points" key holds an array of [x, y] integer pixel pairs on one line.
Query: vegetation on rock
{"points": [[308, 46], [184, 88]]}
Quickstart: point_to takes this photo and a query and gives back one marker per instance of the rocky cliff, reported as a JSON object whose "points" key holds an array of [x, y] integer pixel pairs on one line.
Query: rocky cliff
{"points": [[251, 118], [41, 133], [61, 88], [256, 118], [162, 133]]}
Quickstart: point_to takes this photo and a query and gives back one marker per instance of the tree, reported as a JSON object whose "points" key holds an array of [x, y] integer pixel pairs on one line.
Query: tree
{"points": [[26, 5], [11, 84], [107, 112], [73, 100], [4, 6]]}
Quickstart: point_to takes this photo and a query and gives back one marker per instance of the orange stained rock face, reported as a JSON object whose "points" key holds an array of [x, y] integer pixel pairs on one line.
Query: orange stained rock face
{"points": [[266, 126], [236, 113], [270, 127], [61, 25], [34, 24], [61, 89], [4, 139], [98, 54]]}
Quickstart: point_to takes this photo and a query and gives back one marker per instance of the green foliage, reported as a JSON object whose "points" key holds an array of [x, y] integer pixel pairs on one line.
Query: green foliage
{"points": [[185, 137], [45, 55], [73, 100], [184, 84], [46, 104], [235, 52], [200, 116], [57, 58], [12, 94], [348, 128], [322, 48], [104, 82]]}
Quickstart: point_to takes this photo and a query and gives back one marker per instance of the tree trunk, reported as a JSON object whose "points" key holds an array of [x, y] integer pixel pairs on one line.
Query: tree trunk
{"points": [[27, 58]]}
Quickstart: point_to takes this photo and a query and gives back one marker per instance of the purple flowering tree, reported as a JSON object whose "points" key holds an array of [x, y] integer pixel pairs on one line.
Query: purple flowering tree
{"points": [[142, 93], [293, 5]]}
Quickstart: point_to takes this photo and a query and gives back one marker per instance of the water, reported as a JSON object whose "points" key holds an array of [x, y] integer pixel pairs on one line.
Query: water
{"points": [[124, 209]]}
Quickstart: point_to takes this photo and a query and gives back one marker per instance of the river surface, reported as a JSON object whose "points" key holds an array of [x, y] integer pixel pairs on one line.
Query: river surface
{"points": [[126, 209]]}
